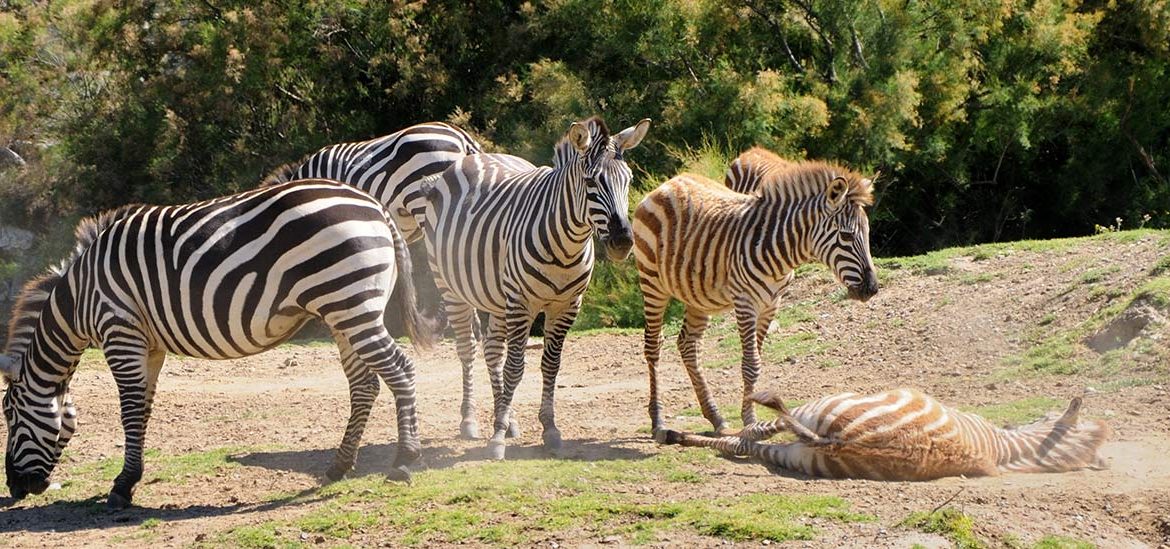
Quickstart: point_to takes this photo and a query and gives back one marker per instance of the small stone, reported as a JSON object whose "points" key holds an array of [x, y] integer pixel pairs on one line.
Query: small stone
{"points": [[611, 539], [200, 537], [304, 536]]}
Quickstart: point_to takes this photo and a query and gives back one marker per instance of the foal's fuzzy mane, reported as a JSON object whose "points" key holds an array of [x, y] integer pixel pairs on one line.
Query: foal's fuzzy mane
{"points": [[35, 293], [812, 176]]}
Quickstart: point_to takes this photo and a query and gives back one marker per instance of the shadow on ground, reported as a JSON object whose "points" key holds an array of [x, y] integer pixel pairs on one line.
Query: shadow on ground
{"points": [[92, 514], [377, 458]]}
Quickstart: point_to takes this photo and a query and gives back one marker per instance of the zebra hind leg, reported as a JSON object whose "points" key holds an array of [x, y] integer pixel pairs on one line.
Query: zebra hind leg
{"points": [[363, 390], [463, 320], [378, 351]]}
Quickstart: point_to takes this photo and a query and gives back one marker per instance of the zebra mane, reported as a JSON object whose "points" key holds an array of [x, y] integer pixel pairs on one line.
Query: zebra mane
{"points": [[598, 143], [284, 173], [811, 177], [35, 293]]}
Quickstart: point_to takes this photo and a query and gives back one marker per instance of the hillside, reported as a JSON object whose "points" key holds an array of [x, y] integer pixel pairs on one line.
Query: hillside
{"points": [[1009, 330]]}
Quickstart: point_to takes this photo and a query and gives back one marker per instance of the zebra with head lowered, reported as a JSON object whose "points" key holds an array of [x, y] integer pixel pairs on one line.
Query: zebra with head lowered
{"points": [[515, 241], [716, 250], [390, 168], [906, 435], [219, 279]]}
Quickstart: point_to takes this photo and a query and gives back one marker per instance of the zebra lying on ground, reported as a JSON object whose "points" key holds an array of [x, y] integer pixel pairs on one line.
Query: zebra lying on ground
{"points": [[716, 250], [515, 241], [906, 435], [224, 278]]}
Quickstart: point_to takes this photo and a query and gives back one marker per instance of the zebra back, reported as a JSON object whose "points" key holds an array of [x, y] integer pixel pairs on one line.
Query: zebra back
{"points": [[389, 168], [752, 166]]}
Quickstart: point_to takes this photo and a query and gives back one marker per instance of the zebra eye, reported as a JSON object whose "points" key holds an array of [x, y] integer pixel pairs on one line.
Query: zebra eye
{"points": [[847, 237]]}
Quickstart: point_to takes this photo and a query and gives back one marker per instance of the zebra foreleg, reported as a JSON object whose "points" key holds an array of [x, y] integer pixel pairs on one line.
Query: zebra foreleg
{"points": [[518, 322], [654, 307], [127, 353], [688, 347], [363, 390], [555, 327], [461, 316]]}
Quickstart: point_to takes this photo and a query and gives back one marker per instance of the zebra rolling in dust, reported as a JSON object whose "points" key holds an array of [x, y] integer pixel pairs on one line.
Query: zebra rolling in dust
{"points": [[906, 435]]}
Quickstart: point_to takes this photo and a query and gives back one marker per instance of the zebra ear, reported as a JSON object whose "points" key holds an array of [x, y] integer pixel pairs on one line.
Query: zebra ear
{"points": [[579, 136], [8, 368], [837, 191], [631, 136]]}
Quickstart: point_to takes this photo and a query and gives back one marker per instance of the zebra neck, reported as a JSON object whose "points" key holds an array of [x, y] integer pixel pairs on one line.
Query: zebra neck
{"points": [[783, 227], [569, 216], [56, 345]]}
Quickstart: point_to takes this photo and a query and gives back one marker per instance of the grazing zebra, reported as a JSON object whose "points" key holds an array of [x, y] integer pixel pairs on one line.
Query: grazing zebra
{"points": [[225, 278], [389, 168], [716, 250], [752, 166], [906, 435], [515, 241]]}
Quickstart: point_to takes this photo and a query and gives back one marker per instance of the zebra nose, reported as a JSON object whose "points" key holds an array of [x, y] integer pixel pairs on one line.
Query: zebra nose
{"points": [[620, 240], [865, 288]]}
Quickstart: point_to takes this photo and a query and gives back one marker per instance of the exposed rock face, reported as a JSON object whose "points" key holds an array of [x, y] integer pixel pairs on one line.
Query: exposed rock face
{"points": [[14, 240], [1126, 327]]}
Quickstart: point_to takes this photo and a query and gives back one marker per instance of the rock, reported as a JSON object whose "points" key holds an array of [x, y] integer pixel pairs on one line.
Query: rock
{"points": [[611, 540]]}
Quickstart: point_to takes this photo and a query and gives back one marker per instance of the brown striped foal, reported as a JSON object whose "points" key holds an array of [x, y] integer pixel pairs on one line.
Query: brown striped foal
{"points": [[906, 435]]}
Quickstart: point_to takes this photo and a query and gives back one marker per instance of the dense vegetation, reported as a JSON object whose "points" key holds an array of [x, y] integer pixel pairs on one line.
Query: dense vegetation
{"points": [[988, 119]]}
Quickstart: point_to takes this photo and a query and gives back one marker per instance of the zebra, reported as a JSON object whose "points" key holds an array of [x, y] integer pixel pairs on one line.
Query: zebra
{"points": [[514, 242], [716, 250], [390, 168], [752, 166], [906, 435], [224, 278]]}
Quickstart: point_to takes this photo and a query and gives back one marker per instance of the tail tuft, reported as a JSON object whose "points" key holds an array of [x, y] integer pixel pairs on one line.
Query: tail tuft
{"points": [[423, 332]]}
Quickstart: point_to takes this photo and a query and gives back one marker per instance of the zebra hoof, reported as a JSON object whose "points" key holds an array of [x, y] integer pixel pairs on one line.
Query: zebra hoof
{"points": [[117, 502], [337, 471], [668, 436], [496, 449], [469, 430], [514, 429], [552, 441], [399, 474]]}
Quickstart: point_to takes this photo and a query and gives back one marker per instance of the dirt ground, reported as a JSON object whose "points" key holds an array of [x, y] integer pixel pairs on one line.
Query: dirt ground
{"points": [[948, 334]]}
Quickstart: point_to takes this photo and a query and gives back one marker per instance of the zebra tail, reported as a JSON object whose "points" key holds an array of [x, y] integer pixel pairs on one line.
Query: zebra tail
{"points": [[422, 331]]}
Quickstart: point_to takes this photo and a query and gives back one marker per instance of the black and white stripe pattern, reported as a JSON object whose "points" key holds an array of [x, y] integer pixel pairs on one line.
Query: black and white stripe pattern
{"points": [[225, 278], [717, 250], [514, 241], [906, 435], [389, 168]]}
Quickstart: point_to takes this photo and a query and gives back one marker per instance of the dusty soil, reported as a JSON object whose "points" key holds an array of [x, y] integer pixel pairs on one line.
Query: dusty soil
{"points": [[948, 334]]}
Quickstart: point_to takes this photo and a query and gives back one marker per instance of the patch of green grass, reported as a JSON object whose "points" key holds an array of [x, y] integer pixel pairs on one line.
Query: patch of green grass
{"points": [[259, 536], [1046, 319], [83, 481], [949, 523], [1161, 266], [1155, 291], [1018, 412], [1093, 276], [517, 502], [1052, 356], [1062, 542], [980, 278], [929, 264], [780, 348], [151, 523]]}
